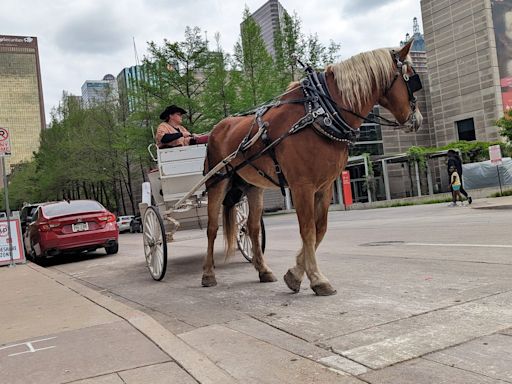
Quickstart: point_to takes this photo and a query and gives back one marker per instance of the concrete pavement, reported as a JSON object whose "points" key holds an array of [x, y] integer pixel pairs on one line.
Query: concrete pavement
{"points": [[407, 311], [57, 331]]}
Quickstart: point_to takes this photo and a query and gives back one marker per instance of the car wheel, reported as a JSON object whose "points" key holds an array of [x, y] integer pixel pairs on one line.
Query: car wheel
{"points": [[113, 249]]}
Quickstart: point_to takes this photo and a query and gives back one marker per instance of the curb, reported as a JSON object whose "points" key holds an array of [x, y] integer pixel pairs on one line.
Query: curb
{"points": [[492, 206], [200, 367]]}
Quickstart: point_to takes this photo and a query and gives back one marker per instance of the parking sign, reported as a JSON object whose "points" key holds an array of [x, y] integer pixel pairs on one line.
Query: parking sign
{"points": [[495, 154], [5, 142]]}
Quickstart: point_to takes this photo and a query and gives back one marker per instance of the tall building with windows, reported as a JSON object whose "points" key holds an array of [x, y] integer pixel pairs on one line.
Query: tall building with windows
{"points": [[269, 17], [469, 61], [21, 95], [98, 91], [127, 84]]}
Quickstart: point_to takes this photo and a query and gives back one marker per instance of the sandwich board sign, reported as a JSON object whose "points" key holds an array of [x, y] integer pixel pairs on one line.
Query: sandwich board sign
{"points": [[5, 142], [18, 253]]}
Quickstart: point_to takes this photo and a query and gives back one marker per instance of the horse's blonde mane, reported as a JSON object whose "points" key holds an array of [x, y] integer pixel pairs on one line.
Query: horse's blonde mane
{"points": [[356, 77]]}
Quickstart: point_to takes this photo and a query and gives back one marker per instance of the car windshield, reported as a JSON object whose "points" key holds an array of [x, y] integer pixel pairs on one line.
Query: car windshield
{"points": [[73, 207]]}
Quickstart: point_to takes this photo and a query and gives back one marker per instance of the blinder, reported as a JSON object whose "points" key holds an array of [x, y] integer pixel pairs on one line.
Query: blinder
{"points": [[413, 82]]}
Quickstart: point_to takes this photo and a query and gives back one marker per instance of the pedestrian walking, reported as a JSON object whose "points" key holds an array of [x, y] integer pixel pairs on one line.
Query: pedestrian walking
{"points": [[455, 185], [454, 160]]}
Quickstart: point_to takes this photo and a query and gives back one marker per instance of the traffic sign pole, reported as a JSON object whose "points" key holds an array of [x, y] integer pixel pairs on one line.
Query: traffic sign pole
{"points": [[499, 178], [495, 157], [8, 212]]}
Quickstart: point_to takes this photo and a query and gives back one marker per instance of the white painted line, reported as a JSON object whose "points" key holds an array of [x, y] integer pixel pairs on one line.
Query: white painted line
{"points": [[460, 245], [30, 347]]}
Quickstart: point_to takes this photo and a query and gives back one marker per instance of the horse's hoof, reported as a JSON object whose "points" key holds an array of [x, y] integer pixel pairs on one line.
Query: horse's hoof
{"points": [[267, 277], [208, 281], [292, 282], [324, 289]]}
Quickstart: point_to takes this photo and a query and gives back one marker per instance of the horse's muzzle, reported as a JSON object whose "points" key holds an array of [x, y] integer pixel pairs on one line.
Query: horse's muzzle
{"points": [[414, 121]]}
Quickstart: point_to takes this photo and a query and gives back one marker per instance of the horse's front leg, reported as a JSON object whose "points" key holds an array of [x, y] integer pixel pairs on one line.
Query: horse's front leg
{"points": [[215, 197], [255, 198], [306, 204], [322, 202]]}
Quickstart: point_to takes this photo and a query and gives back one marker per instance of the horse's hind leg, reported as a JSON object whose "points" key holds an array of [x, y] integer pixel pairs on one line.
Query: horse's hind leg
{"points": [[255, 198], [215, 197], [306, 204]]}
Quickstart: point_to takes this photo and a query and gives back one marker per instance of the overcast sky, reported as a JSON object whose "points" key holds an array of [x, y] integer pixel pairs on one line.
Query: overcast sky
{"points": [[85, 39]]}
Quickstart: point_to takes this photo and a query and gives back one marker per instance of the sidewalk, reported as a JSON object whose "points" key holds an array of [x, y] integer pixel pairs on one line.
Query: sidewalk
{"points": [[57, 331], [504, 202]]}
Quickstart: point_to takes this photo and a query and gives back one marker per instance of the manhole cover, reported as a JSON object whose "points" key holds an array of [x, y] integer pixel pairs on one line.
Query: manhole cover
{"points": [[382, 243]]}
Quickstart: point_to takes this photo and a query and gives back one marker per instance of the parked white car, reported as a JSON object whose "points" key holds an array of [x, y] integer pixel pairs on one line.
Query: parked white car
{"points": [[123, 222]]}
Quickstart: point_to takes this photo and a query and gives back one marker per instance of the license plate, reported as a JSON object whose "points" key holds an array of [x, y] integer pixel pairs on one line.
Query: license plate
{"points": [[79, 227]]}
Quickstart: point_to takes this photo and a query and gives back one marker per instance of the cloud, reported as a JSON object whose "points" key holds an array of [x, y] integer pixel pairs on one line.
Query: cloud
{"points": [[92, 32], [356, 7]]}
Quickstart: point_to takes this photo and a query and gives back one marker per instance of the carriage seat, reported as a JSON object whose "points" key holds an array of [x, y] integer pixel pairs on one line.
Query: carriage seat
{"points": [[180, 169]]}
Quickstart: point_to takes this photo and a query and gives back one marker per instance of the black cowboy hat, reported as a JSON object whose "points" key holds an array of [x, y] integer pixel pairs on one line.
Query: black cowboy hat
{"points": [[170, 110]]}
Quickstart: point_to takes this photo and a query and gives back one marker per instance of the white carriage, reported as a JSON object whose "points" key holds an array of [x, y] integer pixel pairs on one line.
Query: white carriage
{"points": [[179, 199]]}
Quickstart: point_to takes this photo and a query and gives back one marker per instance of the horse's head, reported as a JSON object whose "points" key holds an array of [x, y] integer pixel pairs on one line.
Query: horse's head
{"points": [[398, 97], [379, 76]]}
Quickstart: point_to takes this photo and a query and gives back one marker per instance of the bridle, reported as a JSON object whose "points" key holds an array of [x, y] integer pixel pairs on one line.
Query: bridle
{"points": [[412, 83]]}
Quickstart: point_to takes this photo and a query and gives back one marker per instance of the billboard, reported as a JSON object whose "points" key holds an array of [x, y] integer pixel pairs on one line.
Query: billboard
{"points": [[502, 20]]}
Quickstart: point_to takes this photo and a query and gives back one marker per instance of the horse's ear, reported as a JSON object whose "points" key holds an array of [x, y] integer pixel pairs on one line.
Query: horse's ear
{"points": [[405, 50]]}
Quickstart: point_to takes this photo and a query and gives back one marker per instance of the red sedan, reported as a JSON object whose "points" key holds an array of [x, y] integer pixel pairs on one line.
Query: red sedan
{"points": [[74, 226]]}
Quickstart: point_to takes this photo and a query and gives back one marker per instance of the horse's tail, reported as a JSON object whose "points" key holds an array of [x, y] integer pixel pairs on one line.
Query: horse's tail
{"points": [[230, 227], [233, 196]]}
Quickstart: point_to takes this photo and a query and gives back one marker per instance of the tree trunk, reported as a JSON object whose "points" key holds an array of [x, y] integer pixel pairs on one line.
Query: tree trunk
{"points": [[129, 186], [104, 191], [84, 187], [122, 196]]}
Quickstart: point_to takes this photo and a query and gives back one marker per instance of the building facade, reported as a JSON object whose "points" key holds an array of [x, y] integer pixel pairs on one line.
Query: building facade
{"points": [[269, 17], [21, 95], [127, 85], [98, 91], [463, 68]]}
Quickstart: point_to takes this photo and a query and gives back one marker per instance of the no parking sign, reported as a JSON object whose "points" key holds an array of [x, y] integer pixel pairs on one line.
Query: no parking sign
{"points": [[5, 142]]}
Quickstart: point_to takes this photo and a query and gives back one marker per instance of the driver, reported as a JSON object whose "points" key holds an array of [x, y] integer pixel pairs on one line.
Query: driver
{"points": [[170, 132]]}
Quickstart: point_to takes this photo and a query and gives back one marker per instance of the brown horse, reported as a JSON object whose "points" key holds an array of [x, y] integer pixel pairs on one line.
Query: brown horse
{"points": [[309, 161]]}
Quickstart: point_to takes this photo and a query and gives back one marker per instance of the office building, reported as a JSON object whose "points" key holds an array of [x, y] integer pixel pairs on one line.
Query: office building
{"points": [[128, 84], [269, 17], [21, 95], [98, 91], [469, 64]]}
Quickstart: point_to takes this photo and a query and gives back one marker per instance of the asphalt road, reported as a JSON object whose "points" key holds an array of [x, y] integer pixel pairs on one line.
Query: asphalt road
{"points": [[416, 287]]}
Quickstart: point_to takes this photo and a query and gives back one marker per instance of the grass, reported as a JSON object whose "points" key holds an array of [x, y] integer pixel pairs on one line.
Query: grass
{"points": [[507, 192], [418, 202]]}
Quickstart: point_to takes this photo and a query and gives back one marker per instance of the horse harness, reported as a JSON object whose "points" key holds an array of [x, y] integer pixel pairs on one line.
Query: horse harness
{"points": [[321, 112]]}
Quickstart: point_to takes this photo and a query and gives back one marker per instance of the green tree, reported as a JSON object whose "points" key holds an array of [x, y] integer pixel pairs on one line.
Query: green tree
{"points": [[219, 95], [505, 123], [177, 75], [257, 78], [288, 48]]}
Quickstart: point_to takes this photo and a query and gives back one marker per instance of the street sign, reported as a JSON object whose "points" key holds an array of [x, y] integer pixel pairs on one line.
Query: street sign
{"points": [[5, 142], [18, 253], [495, 154]]}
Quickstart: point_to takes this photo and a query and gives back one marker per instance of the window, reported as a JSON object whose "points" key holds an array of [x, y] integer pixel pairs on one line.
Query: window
{"points": [[466, 129], [74, 207], [373, 148]]}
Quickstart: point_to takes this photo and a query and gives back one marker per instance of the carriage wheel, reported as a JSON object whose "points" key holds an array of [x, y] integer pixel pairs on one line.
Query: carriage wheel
{"points": [[242, 237], [155, 244]]}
